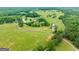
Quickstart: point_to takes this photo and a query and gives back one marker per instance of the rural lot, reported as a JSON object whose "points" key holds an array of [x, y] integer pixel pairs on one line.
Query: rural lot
{"points": [[39, 29]]}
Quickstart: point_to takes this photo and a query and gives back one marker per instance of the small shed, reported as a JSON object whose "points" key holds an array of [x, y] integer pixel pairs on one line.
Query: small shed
{"points": [[23, 19], [54, 28]]}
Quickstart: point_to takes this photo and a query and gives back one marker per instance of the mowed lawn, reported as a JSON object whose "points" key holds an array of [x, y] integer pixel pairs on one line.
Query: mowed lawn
{"points": [[17, 39]]}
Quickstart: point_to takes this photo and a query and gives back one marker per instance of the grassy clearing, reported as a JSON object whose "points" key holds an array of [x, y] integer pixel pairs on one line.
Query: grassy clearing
{"points": [[15, 39], [63, 46]]}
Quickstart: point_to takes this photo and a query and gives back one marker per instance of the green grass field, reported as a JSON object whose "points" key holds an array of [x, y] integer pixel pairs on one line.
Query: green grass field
{"points": [[63, 46], [17, 39], [28, 37]]}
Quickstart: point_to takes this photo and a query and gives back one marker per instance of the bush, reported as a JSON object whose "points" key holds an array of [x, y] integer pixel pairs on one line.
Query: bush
{"points": [[39, 48], [58, 35], [20, 24], [50, 46]]}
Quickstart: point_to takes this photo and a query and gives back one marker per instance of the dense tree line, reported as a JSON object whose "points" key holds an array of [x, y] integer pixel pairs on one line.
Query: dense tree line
{"points": [[11, 19], [32, 14], [71, 23], [7, 19]]}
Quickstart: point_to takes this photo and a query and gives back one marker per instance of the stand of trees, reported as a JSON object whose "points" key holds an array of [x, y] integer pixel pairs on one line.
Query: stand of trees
{"points": [[32, 14], [7, 19], [71, 23], [37, 22], [11, 19]]}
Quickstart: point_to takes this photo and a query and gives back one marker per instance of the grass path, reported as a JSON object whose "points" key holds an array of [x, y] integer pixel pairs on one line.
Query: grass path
{"points": [[34, 30], [68, 42]]}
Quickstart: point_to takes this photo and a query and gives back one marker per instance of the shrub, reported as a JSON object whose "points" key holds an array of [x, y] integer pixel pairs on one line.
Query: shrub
{"points": [[50, 46], [39, 48], [20, 24]]}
